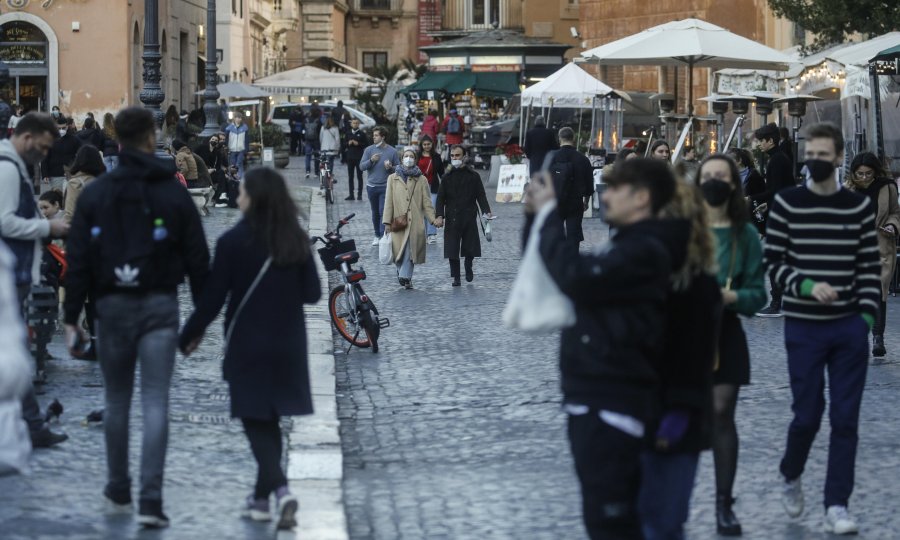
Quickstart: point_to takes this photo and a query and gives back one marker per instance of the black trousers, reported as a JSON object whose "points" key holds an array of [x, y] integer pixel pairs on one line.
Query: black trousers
{"points": [[296, 143], [31, 410], [266, 444], [878, 329], [608, 465], [454, 266], [353, 166], [574, 230]]}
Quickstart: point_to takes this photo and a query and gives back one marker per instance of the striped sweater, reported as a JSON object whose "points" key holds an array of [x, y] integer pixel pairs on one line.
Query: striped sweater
{"points": [[812, 238]]}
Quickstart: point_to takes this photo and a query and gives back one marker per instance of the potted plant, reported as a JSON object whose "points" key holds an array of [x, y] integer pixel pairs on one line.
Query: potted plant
{"points": [[273, 137]]}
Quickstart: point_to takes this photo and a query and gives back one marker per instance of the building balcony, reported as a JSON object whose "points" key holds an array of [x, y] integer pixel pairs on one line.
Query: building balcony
{"points": [[286, 19], [260, 13]]}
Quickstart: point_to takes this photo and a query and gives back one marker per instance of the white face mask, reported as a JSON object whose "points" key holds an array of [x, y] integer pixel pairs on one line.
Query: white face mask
{"points": [[408, 162], [456, 163], [62, 132]]}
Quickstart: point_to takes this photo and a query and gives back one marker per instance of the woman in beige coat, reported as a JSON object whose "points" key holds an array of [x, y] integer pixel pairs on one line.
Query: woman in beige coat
{"points": [[867, 177], [408, 195], [88, 164]]}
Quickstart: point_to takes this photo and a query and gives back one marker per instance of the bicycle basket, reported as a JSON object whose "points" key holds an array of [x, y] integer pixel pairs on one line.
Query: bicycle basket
{"points": [[327, 254]]}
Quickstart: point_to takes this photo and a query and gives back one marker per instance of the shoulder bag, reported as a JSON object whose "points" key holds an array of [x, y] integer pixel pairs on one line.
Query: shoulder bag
{"points": [[237, 312], [401, 222]]}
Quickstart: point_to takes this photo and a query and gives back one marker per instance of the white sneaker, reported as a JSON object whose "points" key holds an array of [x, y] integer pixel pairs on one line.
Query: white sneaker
{"points": [[375, 241], [839, 521], [432, 239], [792, 498]]}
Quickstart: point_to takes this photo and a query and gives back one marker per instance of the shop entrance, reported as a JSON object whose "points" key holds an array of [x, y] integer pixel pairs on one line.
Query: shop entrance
{"points": [[23, 47]]}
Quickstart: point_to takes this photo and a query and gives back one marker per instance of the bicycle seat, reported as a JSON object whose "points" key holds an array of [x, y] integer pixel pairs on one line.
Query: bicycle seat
{"points": [[350, 257]]}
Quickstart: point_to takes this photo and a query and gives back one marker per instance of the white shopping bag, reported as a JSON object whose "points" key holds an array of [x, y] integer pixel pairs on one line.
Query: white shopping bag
{"points": [[536, 305], [15, 442], [385, 251]]}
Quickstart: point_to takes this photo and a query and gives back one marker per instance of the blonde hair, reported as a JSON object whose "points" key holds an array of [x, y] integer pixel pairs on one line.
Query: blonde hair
{"points": [[687, 203]]}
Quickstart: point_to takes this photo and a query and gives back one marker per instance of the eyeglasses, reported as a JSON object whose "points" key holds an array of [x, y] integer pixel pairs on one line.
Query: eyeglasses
{"points": [[865, 174]]}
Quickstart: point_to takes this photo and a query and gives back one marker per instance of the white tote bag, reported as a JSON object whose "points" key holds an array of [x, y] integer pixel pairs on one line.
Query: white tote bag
{"points": [[385, 251], [15, 442], [536, 305]]}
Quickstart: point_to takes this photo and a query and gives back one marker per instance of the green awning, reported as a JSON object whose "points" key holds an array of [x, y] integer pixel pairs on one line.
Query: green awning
{"points": [[452, 82], [503, 84], [887, 55]]}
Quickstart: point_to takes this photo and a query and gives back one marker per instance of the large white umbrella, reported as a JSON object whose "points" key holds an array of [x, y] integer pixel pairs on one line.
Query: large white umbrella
{"points": [[692, 43], [569, 87]]}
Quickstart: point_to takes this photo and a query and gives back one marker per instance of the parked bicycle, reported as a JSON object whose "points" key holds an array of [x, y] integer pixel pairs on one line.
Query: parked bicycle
{"points": [[352, 311], [326, 176]]}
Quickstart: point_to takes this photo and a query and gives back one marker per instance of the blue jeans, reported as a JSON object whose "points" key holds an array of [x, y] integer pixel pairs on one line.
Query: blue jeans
{"points": [[376, 201], [308, 148], [404, 263], [429, 228], [132, 327], [840, 347], [667, 481], [236, 159]]}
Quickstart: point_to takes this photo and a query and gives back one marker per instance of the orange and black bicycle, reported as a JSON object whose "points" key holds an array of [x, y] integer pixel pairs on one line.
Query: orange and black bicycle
{"points": [[352, 311]]}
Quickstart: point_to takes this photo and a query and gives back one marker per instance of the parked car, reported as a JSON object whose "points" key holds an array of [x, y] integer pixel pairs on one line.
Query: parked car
{"points": [[281, 112]]}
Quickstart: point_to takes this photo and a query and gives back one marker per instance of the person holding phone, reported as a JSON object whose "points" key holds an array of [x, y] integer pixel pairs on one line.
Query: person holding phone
{"points": [[867, 177], [379, 160]]}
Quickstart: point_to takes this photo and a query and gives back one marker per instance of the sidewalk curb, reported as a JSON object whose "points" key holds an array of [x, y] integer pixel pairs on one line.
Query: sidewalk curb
{"points": [[315, 463]]}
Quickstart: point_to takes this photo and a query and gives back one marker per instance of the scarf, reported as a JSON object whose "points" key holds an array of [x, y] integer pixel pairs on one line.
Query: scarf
{"points": [[871, 190], [405, 173]]}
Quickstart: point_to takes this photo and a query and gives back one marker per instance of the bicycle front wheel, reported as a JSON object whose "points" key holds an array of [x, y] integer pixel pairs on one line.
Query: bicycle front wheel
{"points": [[346, 320]]}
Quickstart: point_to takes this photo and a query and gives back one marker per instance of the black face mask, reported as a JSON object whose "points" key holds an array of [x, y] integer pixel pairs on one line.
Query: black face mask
{"points": [[716, 192], [819, 169]]}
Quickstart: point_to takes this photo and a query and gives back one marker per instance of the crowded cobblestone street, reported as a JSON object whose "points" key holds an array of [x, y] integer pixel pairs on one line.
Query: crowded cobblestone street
{"points": [[453, 431]]}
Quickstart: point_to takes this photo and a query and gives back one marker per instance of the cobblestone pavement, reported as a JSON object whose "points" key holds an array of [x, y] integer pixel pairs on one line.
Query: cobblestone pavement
{"points": [[454, 429], [209, 467]]}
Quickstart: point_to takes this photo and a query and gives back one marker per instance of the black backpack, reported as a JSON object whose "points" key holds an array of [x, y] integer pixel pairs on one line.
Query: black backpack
{"points": [[562, 173], [312, 131]]}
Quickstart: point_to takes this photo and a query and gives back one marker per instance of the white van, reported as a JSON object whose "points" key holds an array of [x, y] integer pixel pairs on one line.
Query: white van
{"points": [[281, 112]]}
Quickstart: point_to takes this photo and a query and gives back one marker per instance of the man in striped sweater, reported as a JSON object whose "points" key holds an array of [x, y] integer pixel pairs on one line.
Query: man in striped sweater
{"points": [[821, 248]]}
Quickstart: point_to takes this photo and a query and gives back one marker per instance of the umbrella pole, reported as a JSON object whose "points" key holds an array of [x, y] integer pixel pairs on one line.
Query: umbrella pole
{"points": [[593, 121], [578, 135], [879, 126]]}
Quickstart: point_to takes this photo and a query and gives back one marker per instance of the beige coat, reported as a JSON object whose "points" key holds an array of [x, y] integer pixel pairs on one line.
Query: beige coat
{"points": [[887, 213], [418, 194], [184, 160], [74, 187]]}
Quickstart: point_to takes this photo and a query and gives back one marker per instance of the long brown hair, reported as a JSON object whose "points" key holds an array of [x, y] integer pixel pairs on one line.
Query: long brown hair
{"points": [[272, 216], [701, 253]]}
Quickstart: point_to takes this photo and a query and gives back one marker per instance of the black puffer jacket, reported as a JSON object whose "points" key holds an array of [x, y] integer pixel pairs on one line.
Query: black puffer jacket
{"points": [[608, 358], [109, 213]]}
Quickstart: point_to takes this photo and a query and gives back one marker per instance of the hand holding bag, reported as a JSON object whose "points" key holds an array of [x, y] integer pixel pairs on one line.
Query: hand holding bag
{"points": [[536, 305], [385, 250], [399, 223]]}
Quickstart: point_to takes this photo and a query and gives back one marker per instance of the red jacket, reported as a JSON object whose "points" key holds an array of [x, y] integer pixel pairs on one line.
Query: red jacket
{"points": [[430, 127], [454, 138]]}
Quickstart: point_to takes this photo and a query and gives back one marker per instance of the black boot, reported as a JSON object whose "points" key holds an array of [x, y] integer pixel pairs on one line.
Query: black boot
{"points": [[470, 275], [454, 272], [727, 523], [774, 307], [878, 349]]}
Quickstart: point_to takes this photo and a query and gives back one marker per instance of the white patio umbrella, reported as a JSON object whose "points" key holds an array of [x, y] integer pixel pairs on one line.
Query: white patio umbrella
{"points": [[692, 43]]}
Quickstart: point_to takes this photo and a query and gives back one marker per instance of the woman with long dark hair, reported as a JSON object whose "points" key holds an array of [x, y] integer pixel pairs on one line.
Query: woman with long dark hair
{"points": [[739, 256], [660, 150], [88, 164], [110, 142], [868, 177], [432, 167], [263, 266]]}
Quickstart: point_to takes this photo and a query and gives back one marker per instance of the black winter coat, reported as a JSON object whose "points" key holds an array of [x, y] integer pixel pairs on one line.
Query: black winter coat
{"points": [[608, 358], [578, 186], [60, 156], [266, 362], [93, 137], [686, 365], [459, 199], [539, 142], [779, 175], [154, 178], [355, 152]]}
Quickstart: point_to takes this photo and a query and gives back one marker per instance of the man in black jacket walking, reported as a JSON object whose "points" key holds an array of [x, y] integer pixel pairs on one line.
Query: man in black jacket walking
{"points": [[61, 155], [573, 180], [357, 142], [779, 176], [134, 235], [539, 141], [608, 357]]}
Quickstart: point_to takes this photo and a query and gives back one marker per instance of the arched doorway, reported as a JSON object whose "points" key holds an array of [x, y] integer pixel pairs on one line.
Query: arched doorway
{"points": [[26, 49]]}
